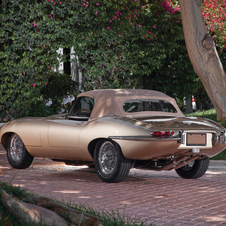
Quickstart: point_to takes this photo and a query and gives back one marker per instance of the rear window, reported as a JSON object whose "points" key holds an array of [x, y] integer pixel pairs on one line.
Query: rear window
{"points": [[139, 105]]}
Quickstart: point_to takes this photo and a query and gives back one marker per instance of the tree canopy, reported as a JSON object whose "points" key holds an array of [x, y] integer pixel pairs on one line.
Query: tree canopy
{"points": [[120, 44]]}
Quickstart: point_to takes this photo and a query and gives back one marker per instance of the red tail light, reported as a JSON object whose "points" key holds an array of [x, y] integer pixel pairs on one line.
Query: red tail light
{"points": [[164, 134]]}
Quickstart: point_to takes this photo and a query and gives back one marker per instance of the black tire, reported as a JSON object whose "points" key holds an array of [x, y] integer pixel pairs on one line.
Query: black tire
{"points": [[194, 170], [17, 154], [109, 162]]}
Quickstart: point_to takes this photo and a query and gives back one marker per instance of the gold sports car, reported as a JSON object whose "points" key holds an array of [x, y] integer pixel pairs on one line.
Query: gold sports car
{"points": [[116, 130]]}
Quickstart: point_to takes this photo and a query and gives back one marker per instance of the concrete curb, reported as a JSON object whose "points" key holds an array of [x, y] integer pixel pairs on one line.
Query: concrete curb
{"points": [[219, 165]]}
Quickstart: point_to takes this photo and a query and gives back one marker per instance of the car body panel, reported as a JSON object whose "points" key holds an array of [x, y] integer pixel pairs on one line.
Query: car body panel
{"points": [[68, 137]]}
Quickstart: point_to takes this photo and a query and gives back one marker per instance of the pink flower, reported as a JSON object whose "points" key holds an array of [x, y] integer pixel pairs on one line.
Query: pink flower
{"points": [[122, 34], [96, 12], [98, 4], [34, 25], [59, 2], [149, 32], [47, 66], [45, 84], [33, 84], [141, 53]]}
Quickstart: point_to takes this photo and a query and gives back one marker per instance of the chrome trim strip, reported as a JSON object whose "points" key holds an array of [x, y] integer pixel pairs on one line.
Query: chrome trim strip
{"points": [[143, 138]]}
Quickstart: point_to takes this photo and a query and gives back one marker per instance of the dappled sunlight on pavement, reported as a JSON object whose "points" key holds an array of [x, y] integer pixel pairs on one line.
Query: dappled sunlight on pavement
{"points": [[162, 198]]}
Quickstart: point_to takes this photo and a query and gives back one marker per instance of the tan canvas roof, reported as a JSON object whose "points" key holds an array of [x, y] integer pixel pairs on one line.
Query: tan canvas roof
{"points": [[110, 101]]}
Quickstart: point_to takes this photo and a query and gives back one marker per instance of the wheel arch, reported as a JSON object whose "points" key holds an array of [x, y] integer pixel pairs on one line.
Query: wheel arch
{"points": [[4, 139], [93, 143]]}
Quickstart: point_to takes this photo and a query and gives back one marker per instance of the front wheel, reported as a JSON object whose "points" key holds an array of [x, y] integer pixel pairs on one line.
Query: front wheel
{"points": [[194, 169], [109, 162], [17, 153]]}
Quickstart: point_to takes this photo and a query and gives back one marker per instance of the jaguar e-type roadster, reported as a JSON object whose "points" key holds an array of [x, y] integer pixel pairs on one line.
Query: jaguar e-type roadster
{"points": [[116, 130]]}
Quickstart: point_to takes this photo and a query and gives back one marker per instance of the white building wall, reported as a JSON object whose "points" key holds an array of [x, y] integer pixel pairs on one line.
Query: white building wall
{"points": [[76, 70]]}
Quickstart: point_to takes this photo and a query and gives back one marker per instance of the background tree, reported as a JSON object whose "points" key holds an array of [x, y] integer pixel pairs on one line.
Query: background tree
{"points": [[120, 44], [203, 54]]}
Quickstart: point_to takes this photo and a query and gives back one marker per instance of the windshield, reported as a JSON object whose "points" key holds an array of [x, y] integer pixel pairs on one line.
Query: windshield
{"points": [[139, 105], [82, 107]]}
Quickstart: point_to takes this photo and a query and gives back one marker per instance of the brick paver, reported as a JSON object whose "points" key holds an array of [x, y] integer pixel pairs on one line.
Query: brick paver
{"points": [[162, 198]]}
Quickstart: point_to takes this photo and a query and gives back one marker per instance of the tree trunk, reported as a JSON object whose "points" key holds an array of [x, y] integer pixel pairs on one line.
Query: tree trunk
{"points": [[29, 213], [203, 55], [45, 211]]}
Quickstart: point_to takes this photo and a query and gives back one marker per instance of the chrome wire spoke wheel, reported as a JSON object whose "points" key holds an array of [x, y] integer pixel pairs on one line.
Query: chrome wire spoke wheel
{"points": [[16, 148], [107, 158], [109, 162]]}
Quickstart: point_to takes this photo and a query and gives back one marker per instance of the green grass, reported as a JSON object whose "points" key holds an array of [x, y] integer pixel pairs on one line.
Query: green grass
{"points": [[107, 218], [211, 114]]}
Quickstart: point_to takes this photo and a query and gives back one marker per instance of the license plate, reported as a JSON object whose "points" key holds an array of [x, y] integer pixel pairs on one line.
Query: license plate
{"points": [[196, 139]]}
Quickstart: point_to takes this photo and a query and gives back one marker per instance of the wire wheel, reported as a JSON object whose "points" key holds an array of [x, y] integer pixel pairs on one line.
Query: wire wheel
{"points": [[16, 148], [17, 153], [109, 162], [107, 157]]}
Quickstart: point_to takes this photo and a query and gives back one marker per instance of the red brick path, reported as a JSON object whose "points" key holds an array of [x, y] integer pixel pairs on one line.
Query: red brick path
{"points": [[162, 198]]}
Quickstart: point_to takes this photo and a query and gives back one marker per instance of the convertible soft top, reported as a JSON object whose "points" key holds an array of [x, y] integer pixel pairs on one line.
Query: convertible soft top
{"points": [[110, 101]]}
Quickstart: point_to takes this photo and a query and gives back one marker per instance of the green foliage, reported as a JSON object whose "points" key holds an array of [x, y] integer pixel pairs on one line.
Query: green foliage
{"points": [[120, 44], [57, 87], [39, 109], [29, 39]]}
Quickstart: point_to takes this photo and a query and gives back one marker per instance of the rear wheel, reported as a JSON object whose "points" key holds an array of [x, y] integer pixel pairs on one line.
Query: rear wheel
{"points": [[194, 169], [109, 162], [17, 154]]}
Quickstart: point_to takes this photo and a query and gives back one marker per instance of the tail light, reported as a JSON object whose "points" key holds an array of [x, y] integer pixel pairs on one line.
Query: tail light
{"points": [[162, 134]]}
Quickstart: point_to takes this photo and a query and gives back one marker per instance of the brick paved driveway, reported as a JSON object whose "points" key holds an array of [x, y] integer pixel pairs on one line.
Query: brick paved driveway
{"points": [[162, 198]]}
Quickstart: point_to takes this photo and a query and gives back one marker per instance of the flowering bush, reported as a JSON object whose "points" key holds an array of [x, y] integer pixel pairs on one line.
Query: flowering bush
{"points": [[120, 44], [214, 12]]}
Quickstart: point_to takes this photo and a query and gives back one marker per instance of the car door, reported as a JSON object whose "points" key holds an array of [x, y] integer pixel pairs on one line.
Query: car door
{"points": [[64, 133]]}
